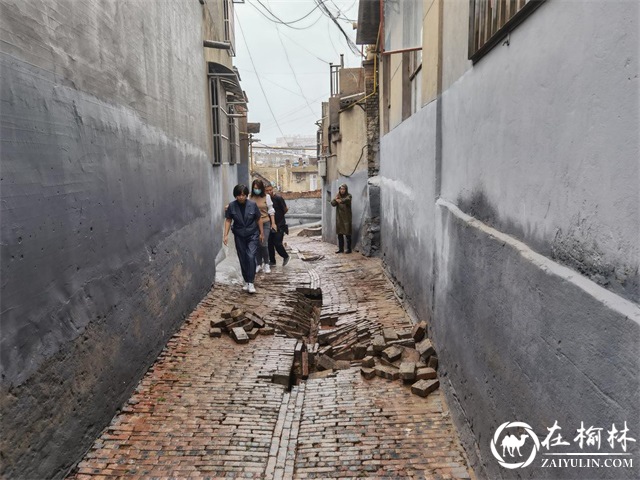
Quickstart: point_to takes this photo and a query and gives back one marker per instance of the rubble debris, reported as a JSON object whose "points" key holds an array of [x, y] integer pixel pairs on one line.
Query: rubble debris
{"points": [[387, 372], [367, 372], [239, 335], [322, 374], [310, 257], [389, 334], [407, 371], [368, 362], [310, 232], [418, 331], [425, 348], [267, 331], [433, 362], [423, 388], [426, 373], [392, 354], [242, 326]]}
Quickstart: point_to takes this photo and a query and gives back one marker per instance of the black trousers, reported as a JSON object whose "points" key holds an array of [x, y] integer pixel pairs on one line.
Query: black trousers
{"points": [[247, 249], [341, 242], [275, 244]]}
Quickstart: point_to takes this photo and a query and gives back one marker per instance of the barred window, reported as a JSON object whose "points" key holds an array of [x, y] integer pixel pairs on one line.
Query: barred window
{"points": [[492, 20], [224, 126]]}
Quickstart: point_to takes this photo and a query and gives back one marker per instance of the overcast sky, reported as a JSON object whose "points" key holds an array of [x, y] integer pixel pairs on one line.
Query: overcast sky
{"points": [[292, 64]]}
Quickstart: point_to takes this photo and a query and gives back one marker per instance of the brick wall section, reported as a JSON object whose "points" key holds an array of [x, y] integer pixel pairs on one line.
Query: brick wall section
{"points": [[296, 195], [373, 118]]}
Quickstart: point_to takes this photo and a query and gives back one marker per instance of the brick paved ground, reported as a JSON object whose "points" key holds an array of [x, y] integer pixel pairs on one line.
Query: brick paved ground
{"points": [[208, 407]]}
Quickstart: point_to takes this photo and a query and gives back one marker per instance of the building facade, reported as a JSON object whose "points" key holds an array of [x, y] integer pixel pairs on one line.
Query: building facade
{"points": [[120, 145], [510, 207], [347, 150]]}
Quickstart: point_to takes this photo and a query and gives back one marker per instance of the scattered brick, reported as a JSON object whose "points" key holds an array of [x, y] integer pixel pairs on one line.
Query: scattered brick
{"points": [[407, 371], [378, 344], [215, 332], [392, 354], [267, 331], [239, 335], [433, 362], [359, 351], [423, 388], [426, 373], [389, 335], [387, 372], [253, 333], [324, 362], [425, 348], [418, 331], [368, 373], [368, 361]]}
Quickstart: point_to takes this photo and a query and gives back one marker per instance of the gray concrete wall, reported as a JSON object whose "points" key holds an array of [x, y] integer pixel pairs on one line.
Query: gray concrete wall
{"points": [[108, 235], [522, 338], [303, 210], [563, 173], [535, 306], [407, 205]]}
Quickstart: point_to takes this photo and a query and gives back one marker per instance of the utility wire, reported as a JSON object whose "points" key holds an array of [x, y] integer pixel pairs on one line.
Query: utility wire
{"points": [[295, 77], [302, 47], [266, 99], [351, 44], [278, 20]]}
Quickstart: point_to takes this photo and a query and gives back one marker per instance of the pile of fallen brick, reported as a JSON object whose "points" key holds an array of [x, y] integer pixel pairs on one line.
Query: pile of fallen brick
{"points": [[388, 358], [242, 326]]}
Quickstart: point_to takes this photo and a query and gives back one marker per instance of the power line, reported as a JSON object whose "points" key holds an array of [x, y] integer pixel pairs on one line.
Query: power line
{"points": [[295, 77], [302, 47], [276, 19], [266, 99], [350, 43]]}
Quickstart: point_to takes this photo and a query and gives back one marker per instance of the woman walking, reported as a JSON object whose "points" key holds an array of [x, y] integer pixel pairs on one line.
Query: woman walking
{"points": [[342, 202], [242, 216], [267, 212]]}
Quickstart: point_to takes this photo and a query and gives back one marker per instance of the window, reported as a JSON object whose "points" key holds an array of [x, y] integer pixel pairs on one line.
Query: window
{"points": [[234, 135], [491, 20], [228, 107], [225, 131], [229, 29], [214, 89]]}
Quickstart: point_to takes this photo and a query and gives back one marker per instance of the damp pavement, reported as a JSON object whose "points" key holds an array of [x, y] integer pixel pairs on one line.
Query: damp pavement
{"points": [[208, 407]]}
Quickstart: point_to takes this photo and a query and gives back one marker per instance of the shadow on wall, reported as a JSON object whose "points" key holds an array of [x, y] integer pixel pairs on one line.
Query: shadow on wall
{"points": [[567, 248]]}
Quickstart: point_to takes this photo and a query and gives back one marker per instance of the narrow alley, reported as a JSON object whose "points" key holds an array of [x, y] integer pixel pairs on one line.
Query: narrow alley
{"points": [[210, 407]]}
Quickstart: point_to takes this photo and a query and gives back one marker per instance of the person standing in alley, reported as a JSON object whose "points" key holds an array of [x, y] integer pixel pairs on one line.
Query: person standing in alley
{"points": [[276, 237], [342, 202], [267, 213], [243, 217]]}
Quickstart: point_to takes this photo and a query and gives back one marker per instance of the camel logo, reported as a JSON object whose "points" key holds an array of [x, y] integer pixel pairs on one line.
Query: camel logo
{"points": [[512, 445]]}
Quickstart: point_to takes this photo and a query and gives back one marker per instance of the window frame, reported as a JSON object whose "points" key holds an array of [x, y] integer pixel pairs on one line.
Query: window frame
{"points": [[476, 52]]}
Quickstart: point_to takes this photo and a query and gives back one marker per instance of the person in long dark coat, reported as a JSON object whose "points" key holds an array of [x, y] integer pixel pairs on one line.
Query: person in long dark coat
{"points": [[242, 216], [342, 202]]}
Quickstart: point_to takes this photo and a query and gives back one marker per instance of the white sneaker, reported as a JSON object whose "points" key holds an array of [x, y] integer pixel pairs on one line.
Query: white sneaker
{"points": [[267, 268], [246, 287], [251, 288], [258, 268]]}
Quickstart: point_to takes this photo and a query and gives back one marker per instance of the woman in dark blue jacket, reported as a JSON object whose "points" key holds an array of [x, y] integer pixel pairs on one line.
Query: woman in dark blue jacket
{"points": [[243, 218]]}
